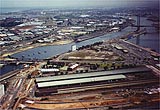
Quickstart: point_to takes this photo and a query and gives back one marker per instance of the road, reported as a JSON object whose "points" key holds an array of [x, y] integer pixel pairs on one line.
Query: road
{"points": [[15, 91]]}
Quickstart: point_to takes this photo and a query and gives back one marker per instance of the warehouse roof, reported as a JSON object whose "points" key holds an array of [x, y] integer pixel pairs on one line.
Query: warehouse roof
{"points": [[85, 75], [78, 81], [49, 70]]}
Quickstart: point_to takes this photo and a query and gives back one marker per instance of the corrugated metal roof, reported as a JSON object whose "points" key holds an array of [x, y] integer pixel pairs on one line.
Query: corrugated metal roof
{"points": [[49, 70], [78, 81], [83, 75]]}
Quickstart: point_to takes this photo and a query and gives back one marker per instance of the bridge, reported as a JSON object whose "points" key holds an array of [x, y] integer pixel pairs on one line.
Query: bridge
{"points": [[138, 25], [134, 34]]}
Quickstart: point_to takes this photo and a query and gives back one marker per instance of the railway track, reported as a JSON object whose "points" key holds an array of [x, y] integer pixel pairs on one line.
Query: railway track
{"points": [[104, 86]]}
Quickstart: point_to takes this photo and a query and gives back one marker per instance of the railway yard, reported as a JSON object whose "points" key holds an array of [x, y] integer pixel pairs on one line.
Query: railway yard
{"points": [[100, 76], [80, 59], [124, 90]]}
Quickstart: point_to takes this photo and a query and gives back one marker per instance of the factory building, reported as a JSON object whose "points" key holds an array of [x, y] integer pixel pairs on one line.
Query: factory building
{"points": [[54, 84], [54, 87]]}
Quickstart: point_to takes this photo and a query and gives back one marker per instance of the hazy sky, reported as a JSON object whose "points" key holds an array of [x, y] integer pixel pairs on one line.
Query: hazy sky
{"points": [[77, 3]]}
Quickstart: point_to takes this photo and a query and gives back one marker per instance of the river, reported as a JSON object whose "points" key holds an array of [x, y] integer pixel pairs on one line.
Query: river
{"points": [[150, 40], [49, 51], [147, 40]]}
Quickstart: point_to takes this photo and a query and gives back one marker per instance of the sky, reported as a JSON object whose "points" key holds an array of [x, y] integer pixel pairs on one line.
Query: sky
{"points": [[77, 3]]}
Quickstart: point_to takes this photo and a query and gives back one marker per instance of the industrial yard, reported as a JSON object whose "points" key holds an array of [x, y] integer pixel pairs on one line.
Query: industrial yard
{"points": [[80, 59], [98, 76], [123, 88], [79, 83]]}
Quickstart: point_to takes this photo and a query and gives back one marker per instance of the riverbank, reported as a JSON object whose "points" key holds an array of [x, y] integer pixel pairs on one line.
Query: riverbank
{"points": [[95, 34], [80, 39], [63, 42], [9, 74]]}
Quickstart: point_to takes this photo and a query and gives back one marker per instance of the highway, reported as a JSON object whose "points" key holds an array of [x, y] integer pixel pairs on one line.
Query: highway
{"points": [[12, 94], [15, 93], [145, 56], [15, 90]]}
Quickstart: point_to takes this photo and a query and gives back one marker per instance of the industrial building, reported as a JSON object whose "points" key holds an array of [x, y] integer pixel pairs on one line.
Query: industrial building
{"points": [[93, 74], [78, 81], [49, 70], [51, 85]]}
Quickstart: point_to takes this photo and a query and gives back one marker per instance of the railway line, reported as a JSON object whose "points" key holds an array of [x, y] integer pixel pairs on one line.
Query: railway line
{"points": [[104, 86], [82, 88]]}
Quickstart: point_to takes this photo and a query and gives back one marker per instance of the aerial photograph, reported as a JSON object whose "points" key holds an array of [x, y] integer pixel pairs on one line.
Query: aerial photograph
{"points": [[79, 55]]}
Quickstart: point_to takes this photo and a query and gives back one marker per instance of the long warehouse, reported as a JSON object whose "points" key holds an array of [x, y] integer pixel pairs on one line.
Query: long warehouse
{"points": [[49, 88], [93, 74], [79, 81]]}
